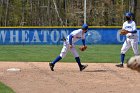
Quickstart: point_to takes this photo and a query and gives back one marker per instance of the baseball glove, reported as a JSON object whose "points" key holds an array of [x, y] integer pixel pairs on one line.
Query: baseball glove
{"points": [[83, 48], [134, 63], [123, 32]]}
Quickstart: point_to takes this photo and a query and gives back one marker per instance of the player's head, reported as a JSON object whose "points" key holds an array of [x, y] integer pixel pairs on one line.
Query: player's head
{"points": [[85, 27], [128, 16]]}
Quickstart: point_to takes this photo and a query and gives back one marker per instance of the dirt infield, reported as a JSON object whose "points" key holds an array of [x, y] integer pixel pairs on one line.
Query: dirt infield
{"points": [[36, 77]]}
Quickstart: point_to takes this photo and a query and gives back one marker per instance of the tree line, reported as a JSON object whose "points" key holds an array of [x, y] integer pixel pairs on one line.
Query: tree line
{"points": [[64, 12]]}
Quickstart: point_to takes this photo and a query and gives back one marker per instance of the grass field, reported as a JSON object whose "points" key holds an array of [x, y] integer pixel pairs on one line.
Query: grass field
{"points": [[5, 89], [44, 53]]}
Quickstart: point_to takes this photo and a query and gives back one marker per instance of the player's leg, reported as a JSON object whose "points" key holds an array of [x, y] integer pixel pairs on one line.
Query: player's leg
{"points": [[124, 49], [77, 58], [62, 54], [58, 58], [134, 44]]}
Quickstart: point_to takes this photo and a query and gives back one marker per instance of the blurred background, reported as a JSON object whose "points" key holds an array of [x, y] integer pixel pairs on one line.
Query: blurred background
{"points": [[66, 12]]}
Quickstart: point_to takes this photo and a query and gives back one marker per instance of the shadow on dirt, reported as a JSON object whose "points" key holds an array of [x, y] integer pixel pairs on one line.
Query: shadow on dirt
{"points": [[100, 70]]}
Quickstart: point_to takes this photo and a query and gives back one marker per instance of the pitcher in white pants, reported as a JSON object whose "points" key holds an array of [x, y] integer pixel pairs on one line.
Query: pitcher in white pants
{"points": [[68, 45], [131, 38]]}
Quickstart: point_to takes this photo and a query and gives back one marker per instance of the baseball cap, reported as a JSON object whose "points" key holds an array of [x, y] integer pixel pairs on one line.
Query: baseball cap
{"points": [[129, 14], [85, 26]]}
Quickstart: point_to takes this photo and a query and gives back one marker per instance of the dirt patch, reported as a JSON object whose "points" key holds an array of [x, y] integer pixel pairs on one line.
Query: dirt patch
{"points": [[36, 77]]}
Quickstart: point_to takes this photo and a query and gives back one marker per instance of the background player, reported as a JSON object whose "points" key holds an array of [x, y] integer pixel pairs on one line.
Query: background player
{"points": [[69, 45], [131, 38]]}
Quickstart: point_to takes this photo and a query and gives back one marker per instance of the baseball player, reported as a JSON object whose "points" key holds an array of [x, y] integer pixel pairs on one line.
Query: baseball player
{"points": [[69, 45], [131, 38]]}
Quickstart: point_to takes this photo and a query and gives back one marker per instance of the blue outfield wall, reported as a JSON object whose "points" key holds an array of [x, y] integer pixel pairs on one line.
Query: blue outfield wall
{"points": [[53, 36]]}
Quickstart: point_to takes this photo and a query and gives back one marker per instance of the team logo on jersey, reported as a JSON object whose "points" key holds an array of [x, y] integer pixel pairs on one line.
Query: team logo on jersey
{"points": [[128, 27]]}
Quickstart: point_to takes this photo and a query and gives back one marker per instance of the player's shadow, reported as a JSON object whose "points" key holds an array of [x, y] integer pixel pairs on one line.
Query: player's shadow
{"points": [[99, 70]]}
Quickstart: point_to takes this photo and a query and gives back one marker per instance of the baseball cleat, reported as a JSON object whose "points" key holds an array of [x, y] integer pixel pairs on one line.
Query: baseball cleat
{"points": [[51, 66], [82, 67], [119, 65]]}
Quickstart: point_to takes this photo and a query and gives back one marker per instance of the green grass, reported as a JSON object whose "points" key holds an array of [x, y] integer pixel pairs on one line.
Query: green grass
{"points": [[44, 53], [5, 89]]}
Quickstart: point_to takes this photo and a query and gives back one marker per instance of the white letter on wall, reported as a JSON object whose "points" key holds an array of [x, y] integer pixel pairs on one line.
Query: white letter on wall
{"points": [[12, 36], [44, 34], [3, 35], [55, 36], [25, 37], [118, 37], [35, 37]]}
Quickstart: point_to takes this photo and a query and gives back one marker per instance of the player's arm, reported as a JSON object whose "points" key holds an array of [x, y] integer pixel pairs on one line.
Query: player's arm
{"points": [[134, 28], [84, 47], [83, 40], [135, 31], [70, 40]]}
